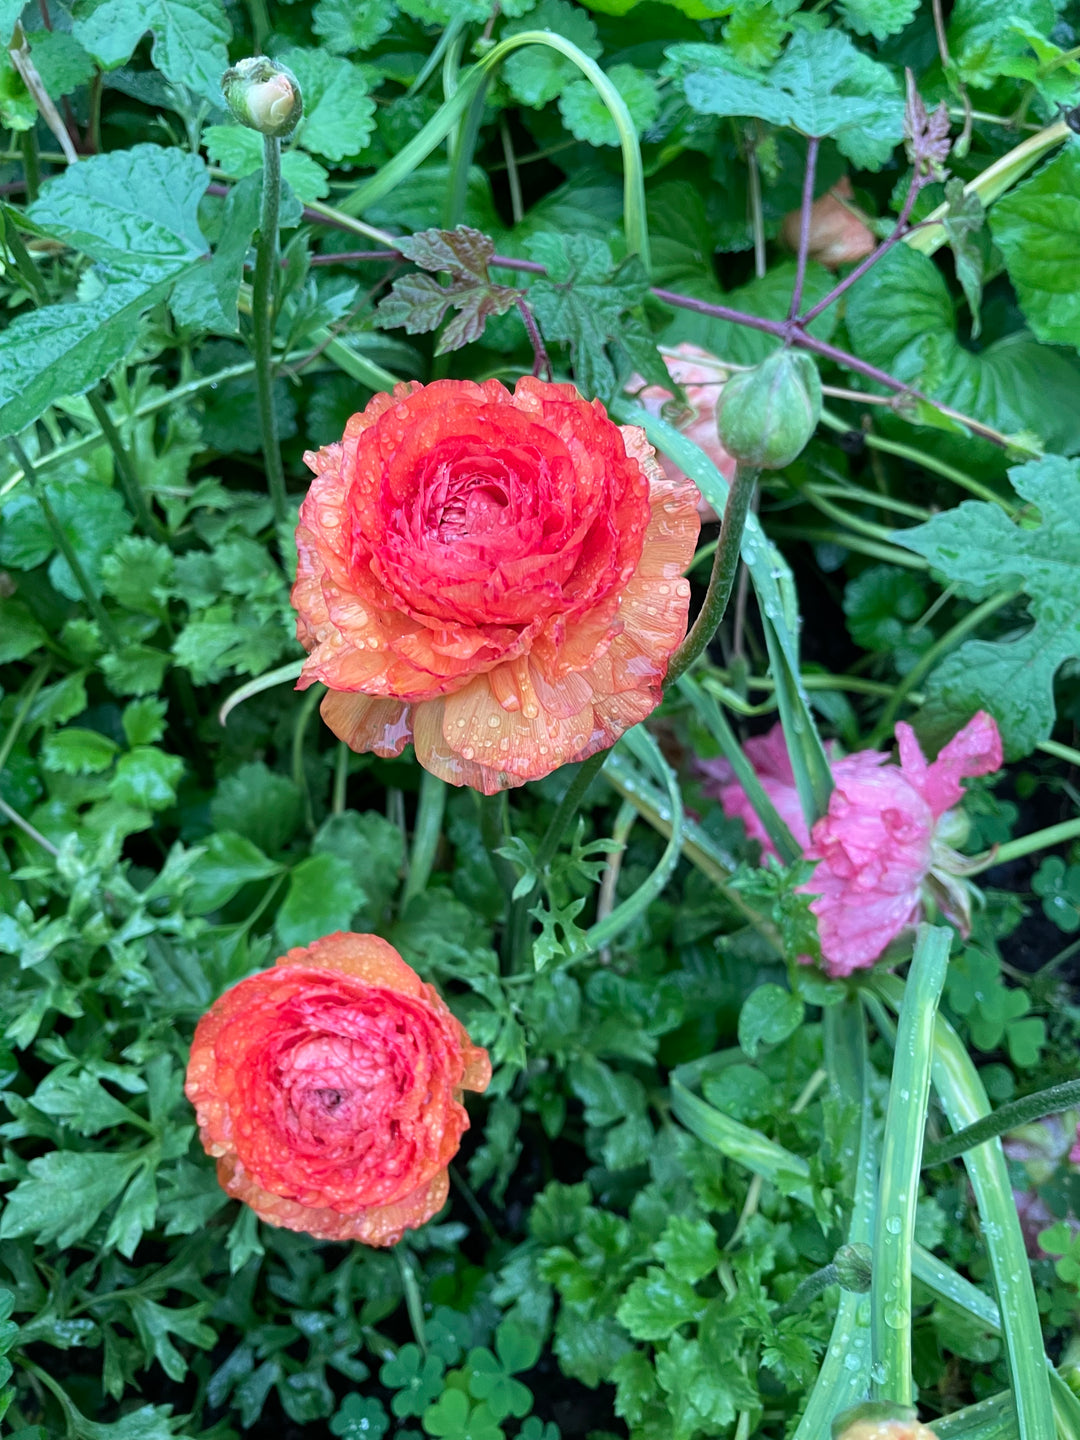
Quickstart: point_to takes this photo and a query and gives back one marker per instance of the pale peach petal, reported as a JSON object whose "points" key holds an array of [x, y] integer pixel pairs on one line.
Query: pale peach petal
{"points": [[367, 722]]}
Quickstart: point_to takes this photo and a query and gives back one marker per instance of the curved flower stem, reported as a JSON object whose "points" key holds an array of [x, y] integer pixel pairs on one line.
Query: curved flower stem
{"points": [[725, 566], [63, 544], [1004, 1118], [426, 833], [262, 309], [1029, 844]]}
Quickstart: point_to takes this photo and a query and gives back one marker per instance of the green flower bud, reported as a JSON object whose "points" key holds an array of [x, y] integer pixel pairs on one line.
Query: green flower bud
{"points": [[766, 415], [853, 1264], [264, 95]]}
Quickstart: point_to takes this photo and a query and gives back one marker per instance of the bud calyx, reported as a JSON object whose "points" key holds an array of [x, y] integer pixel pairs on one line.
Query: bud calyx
{"points": [[264, 95]]}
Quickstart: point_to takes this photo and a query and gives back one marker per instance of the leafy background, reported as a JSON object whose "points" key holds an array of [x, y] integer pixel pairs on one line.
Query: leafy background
{"points": [[605, 1267]]}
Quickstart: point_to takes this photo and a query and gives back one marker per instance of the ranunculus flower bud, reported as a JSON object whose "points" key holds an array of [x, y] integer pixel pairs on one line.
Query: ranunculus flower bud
{"points": [[767, 415], [264, 95], [886, 1429], [329, 1088], [496, 577]]}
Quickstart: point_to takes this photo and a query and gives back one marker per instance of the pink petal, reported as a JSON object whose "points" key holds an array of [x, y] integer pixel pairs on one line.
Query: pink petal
{"points": [[974, 750]]}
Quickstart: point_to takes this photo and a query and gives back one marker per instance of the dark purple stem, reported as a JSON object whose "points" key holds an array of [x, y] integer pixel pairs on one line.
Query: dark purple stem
{"points": [[356, 256], [541, 360], [900, 230], [812, 146]]}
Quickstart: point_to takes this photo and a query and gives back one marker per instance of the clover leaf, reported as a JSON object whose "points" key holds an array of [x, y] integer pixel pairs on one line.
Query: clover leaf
{"points": [[360, 1418], [417, 1380]]}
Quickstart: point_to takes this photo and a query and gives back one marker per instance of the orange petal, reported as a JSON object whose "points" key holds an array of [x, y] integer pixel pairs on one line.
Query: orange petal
{"points": [[366, 957]]}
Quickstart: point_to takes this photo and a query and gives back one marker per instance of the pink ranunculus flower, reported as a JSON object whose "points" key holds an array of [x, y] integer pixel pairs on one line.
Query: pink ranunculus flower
{"points": [[883, 846], [702, 376]]}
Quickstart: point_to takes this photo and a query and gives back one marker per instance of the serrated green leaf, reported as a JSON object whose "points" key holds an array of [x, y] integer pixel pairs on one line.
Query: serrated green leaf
{"points": [[64, 350], [239, 151], [339, 114], [95, 520], [146, 778], [821, 85], [60, 60], [687, 1248], [587, 117], [348, 25], [231, 861], [189, 38], [259, 804], [1037, 228], [374, 849], [144, 721], [441, 12], [901, 318], [987, 40], [323, 896], [138, 573], [656, 1304], [880, 18], [78, 752], [20, 633], [537, 74], [64, 1195], [206, 297], [982, 550]]}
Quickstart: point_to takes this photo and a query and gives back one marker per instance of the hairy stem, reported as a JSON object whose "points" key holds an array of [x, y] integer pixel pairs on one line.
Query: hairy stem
{"points": [[1004, 1118], [725, 566], [812, 146], [262, 309]]}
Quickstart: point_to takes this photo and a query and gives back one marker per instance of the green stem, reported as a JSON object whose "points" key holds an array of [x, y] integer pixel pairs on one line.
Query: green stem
{"points": [[37, 679], [426, 834], [891, 554], [926, 662], [1029, 844], [881, 533], [262, 310], [299, 774], [125, 467], [1005, 1118], [341, 779], [31, 164], [722, 579], [260, 25], [63, 544], [901, 1157], [813, 1286]]}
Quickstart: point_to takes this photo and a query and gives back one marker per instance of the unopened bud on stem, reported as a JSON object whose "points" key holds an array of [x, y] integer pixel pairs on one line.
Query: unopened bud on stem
{"points": [[264, 95], [880, 1420], [766, 415]]}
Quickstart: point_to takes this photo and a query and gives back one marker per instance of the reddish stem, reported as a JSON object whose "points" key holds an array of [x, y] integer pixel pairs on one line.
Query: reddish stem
{"points": [[812, 147], [870, 260]]}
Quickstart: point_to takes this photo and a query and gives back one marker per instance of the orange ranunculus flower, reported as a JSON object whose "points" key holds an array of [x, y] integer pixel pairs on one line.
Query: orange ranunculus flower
{"points": [[329, 1088], [496, 577]]}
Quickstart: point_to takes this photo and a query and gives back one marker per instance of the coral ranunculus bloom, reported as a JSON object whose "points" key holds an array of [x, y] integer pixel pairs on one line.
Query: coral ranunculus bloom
{"points": [[329, 1089], [496, 577]]}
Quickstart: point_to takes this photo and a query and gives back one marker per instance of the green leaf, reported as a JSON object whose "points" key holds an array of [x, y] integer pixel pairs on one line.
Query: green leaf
{"points": [[64, 350], [770, 1014], [881, 605], [95, 519], [146, 778], [157, 1324], [189, 38], [239, 151], [419, 302], [78, 752], [757, 30], [348, 25], [138, 572], [206, 297], [81, 1101], [323, 896], [136, 208], [987, 40], [60, 60], [339, 114], [687, 1248], [536, 74], [65, 1195], [901, 318], [20, 633], [441, 12], [982, 550], [964, 221], [134, 669], [1037, 228], [231, 861], [374, 849], [259, 804], [656, 1304], [587, 117], [879, 18], [821, 85], [144, 721], [360, 1418]]}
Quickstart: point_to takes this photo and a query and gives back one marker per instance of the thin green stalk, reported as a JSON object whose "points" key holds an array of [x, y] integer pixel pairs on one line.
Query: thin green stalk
{"points": [[266, 259], [881, 533], [1029, 844], [289, 671], [891, 554], [33, 685], [63, 544], [125, 467], [722, 578], [31, 164], [426, 834], [926, 461], [1059, 751], [901, 1162], [710, 713], [24, 825], [964, 1101], [341, 779], [930, 657], [1006, 1117], [299, 773]]}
